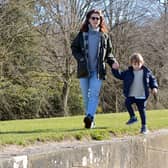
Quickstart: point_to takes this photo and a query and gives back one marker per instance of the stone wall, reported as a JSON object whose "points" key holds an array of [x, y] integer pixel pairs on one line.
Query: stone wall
{"points": [[149, 151]]}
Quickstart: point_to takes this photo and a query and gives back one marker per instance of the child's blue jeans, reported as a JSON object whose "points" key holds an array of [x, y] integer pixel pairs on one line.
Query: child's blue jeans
{"points": [[90, 87], [141, 105]]}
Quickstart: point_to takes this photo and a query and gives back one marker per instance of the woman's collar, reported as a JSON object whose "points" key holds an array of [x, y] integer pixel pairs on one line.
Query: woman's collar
{"points": [[92, 29]]}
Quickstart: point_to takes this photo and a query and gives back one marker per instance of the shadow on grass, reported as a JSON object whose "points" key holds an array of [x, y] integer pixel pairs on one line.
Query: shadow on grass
{"points": [[84, 129], [50, 131]]}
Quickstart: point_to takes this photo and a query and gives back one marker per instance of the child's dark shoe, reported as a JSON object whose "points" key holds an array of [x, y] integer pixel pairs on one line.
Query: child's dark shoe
{"points": [[144, 130], [132, 120]]}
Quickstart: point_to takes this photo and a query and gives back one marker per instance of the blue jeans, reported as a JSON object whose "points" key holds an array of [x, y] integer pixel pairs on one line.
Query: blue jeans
{"points": [[141, 105], [90, 87]]}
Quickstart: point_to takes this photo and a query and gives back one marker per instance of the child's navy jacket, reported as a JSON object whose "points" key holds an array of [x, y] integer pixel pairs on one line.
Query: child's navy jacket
{"points": [[127, 76]]}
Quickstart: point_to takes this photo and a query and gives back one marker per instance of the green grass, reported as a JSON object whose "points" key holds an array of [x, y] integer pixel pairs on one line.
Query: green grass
{"points": [[25, 132]]}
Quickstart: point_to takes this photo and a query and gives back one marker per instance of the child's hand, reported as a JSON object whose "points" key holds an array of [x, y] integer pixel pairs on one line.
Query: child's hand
{"points": [[115, 65], [154, 91]]}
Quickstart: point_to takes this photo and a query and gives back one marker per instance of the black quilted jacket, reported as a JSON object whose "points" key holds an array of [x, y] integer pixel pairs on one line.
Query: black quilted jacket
{"points": [[104, 55]]}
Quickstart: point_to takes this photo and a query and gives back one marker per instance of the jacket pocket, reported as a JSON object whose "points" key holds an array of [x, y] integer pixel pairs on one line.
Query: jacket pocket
{"points": [[82, 70]]}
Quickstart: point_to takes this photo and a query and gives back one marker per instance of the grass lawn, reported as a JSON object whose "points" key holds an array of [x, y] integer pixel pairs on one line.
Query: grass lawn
{"points": [[25, 132]]}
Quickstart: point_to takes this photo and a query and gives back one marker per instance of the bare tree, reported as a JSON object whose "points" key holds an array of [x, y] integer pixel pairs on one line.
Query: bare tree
{"points": [[133, 28], [131, 25], [59, 21]]}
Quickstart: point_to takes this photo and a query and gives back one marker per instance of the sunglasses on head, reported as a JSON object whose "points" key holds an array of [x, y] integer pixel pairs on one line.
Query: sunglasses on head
{"points": [[95, 18]]}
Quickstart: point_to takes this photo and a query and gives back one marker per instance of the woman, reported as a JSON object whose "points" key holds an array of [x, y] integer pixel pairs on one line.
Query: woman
{"points": [[91, 49]]}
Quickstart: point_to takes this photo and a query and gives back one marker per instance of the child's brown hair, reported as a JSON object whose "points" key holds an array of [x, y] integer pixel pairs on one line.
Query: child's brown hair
{"points": [[136, 58]]}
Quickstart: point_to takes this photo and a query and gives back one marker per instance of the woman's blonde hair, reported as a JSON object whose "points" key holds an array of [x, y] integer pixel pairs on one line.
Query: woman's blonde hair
{"points": [[137, 58]]}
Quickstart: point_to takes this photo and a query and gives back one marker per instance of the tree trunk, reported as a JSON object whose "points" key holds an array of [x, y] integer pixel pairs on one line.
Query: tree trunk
{"points": [[67, 77], [116, 102], [65, 93]]}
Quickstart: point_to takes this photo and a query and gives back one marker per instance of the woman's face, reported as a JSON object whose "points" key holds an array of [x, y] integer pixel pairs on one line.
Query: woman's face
{"points": [[94, 20]]}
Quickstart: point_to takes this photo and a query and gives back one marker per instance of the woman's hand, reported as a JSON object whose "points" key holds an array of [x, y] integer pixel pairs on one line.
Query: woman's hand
{"points": [[115, 65]]}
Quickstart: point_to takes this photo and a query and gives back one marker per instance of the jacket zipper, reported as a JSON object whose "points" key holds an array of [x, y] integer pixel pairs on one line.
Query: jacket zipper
{"points": [[98, 52], [86, 57]]}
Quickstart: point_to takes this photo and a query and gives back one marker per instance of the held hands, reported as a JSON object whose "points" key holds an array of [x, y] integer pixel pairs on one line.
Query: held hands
{"points": [[115, 65]]}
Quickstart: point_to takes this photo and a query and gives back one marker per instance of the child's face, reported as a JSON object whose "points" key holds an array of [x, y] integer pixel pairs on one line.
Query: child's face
{"points": [[137, 65]]}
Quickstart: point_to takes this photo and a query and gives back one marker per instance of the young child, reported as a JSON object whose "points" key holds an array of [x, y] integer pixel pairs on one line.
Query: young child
{"points": [[137, 80]]}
